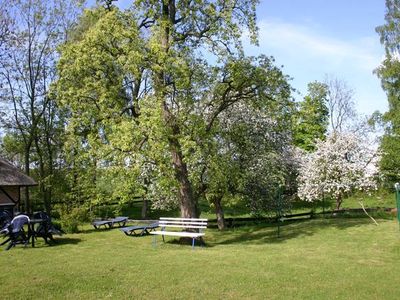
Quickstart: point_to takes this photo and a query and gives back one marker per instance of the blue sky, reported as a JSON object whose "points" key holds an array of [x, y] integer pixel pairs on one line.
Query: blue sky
{"points": [[315, 38]]}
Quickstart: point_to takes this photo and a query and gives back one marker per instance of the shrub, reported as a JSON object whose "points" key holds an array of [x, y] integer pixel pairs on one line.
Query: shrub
{"points": [[71, 218]]}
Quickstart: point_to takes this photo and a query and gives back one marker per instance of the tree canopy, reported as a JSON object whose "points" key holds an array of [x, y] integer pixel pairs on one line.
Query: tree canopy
{"points": [[176, 133], [340, 165], [388, 72], [159, 102], [311, 121]]}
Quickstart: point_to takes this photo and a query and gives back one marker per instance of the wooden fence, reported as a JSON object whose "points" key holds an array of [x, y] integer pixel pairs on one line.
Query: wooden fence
{"points": [[233, 222]]}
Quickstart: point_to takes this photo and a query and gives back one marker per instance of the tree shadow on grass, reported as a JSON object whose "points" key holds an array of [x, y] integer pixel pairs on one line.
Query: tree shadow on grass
{"points": [[59, 241], [66, 241], [93, 230], [268, 233], [185, 242], [90, 230]]}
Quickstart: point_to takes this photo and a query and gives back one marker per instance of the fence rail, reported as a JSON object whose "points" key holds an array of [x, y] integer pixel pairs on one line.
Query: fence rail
{"points": [[232, 222]]}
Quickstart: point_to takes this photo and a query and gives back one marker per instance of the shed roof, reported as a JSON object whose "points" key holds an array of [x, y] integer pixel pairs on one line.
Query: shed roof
{"points": [[12, 176]]}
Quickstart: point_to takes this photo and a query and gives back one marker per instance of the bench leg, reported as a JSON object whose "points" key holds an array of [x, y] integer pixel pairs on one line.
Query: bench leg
{"points": [[154, 241], [193, 243]]}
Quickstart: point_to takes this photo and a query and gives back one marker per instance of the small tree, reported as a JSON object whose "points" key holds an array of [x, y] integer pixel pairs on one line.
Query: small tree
{"points": [[341, 105], [340, 165], [312, 117]]}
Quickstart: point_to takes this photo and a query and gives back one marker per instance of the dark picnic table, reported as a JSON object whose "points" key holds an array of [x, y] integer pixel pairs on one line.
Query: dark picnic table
{"points": [[38, 228]]}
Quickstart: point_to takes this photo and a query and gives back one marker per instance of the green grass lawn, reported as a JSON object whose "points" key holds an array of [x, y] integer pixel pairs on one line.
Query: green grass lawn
{"points": [[381, 198], [337, 258], [377, 199]]}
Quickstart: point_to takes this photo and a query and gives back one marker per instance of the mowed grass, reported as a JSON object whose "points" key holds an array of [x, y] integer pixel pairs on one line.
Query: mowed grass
{"points": [[335, 258]]}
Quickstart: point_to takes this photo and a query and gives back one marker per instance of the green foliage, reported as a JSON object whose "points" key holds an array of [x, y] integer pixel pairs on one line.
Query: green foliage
{"points": [[390, 161], [32, 122], [72, 217], [90, 86], [11, 146], [126, 134], [311, 119], [248, 141], [389, 73]]}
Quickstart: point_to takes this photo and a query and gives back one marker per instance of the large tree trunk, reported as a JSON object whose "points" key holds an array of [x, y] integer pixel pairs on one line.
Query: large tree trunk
{"points": [[49, 189], [219, 212], [145, 208], [27, 172], [339, 201], [42, 187], [42, 176], [188, 202]]}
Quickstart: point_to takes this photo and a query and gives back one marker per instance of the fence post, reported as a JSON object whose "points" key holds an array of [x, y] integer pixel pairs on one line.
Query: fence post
{"points": [[397, 188], [279, 211]]}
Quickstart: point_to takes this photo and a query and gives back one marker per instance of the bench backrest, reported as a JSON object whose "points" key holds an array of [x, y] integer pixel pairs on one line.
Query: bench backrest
{"points": [[191, 223]]}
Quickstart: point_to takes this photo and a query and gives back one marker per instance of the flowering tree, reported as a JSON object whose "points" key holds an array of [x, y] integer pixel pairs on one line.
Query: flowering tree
{"points": [[341, 164]]}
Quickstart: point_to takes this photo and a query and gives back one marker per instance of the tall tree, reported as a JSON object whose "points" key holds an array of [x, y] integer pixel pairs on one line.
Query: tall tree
{"points": [[152, 72], [177, 25], [101, 83], [5, 22], [342, 113], [27, 69], [311, 120], [389, 73]]}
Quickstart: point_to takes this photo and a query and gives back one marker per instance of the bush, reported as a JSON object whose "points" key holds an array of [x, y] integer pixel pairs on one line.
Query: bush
{"points": [[71, 218]]}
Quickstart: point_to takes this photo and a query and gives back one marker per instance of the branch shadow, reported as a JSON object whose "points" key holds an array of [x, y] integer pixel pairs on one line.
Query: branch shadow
{"points": [[268, 233]]}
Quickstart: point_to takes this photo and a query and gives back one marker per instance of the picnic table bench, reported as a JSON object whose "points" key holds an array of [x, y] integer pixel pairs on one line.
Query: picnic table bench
{"points": [[191, 227], [121, 221]]}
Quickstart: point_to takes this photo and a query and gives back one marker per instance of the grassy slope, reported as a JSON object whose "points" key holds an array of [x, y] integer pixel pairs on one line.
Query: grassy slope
{"points": [[377, 199], [318, 259]]}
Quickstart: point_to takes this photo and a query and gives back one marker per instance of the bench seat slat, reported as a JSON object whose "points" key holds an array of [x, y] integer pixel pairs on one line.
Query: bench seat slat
{"points": [[178, 233], [182, 223], [184, 219], [184, 226]]}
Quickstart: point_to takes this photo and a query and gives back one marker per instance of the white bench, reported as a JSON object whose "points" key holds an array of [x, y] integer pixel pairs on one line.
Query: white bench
{"points": [[185, 224]]}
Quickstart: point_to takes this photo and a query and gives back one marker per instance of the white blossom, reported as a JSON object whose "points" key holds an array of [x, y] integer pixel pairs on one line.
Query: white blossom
{"points": [[341, 164]]}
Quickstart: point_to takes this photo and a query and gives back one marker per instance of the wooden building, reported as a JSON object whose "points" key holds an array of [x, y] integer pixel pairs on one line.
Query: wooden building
{"points": [[11, 182]]}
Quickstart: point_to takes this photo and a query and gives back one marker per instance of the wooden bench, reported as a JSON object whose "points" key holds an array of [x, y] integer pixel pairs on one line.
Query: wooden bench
{"points": [[190, 227]]}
